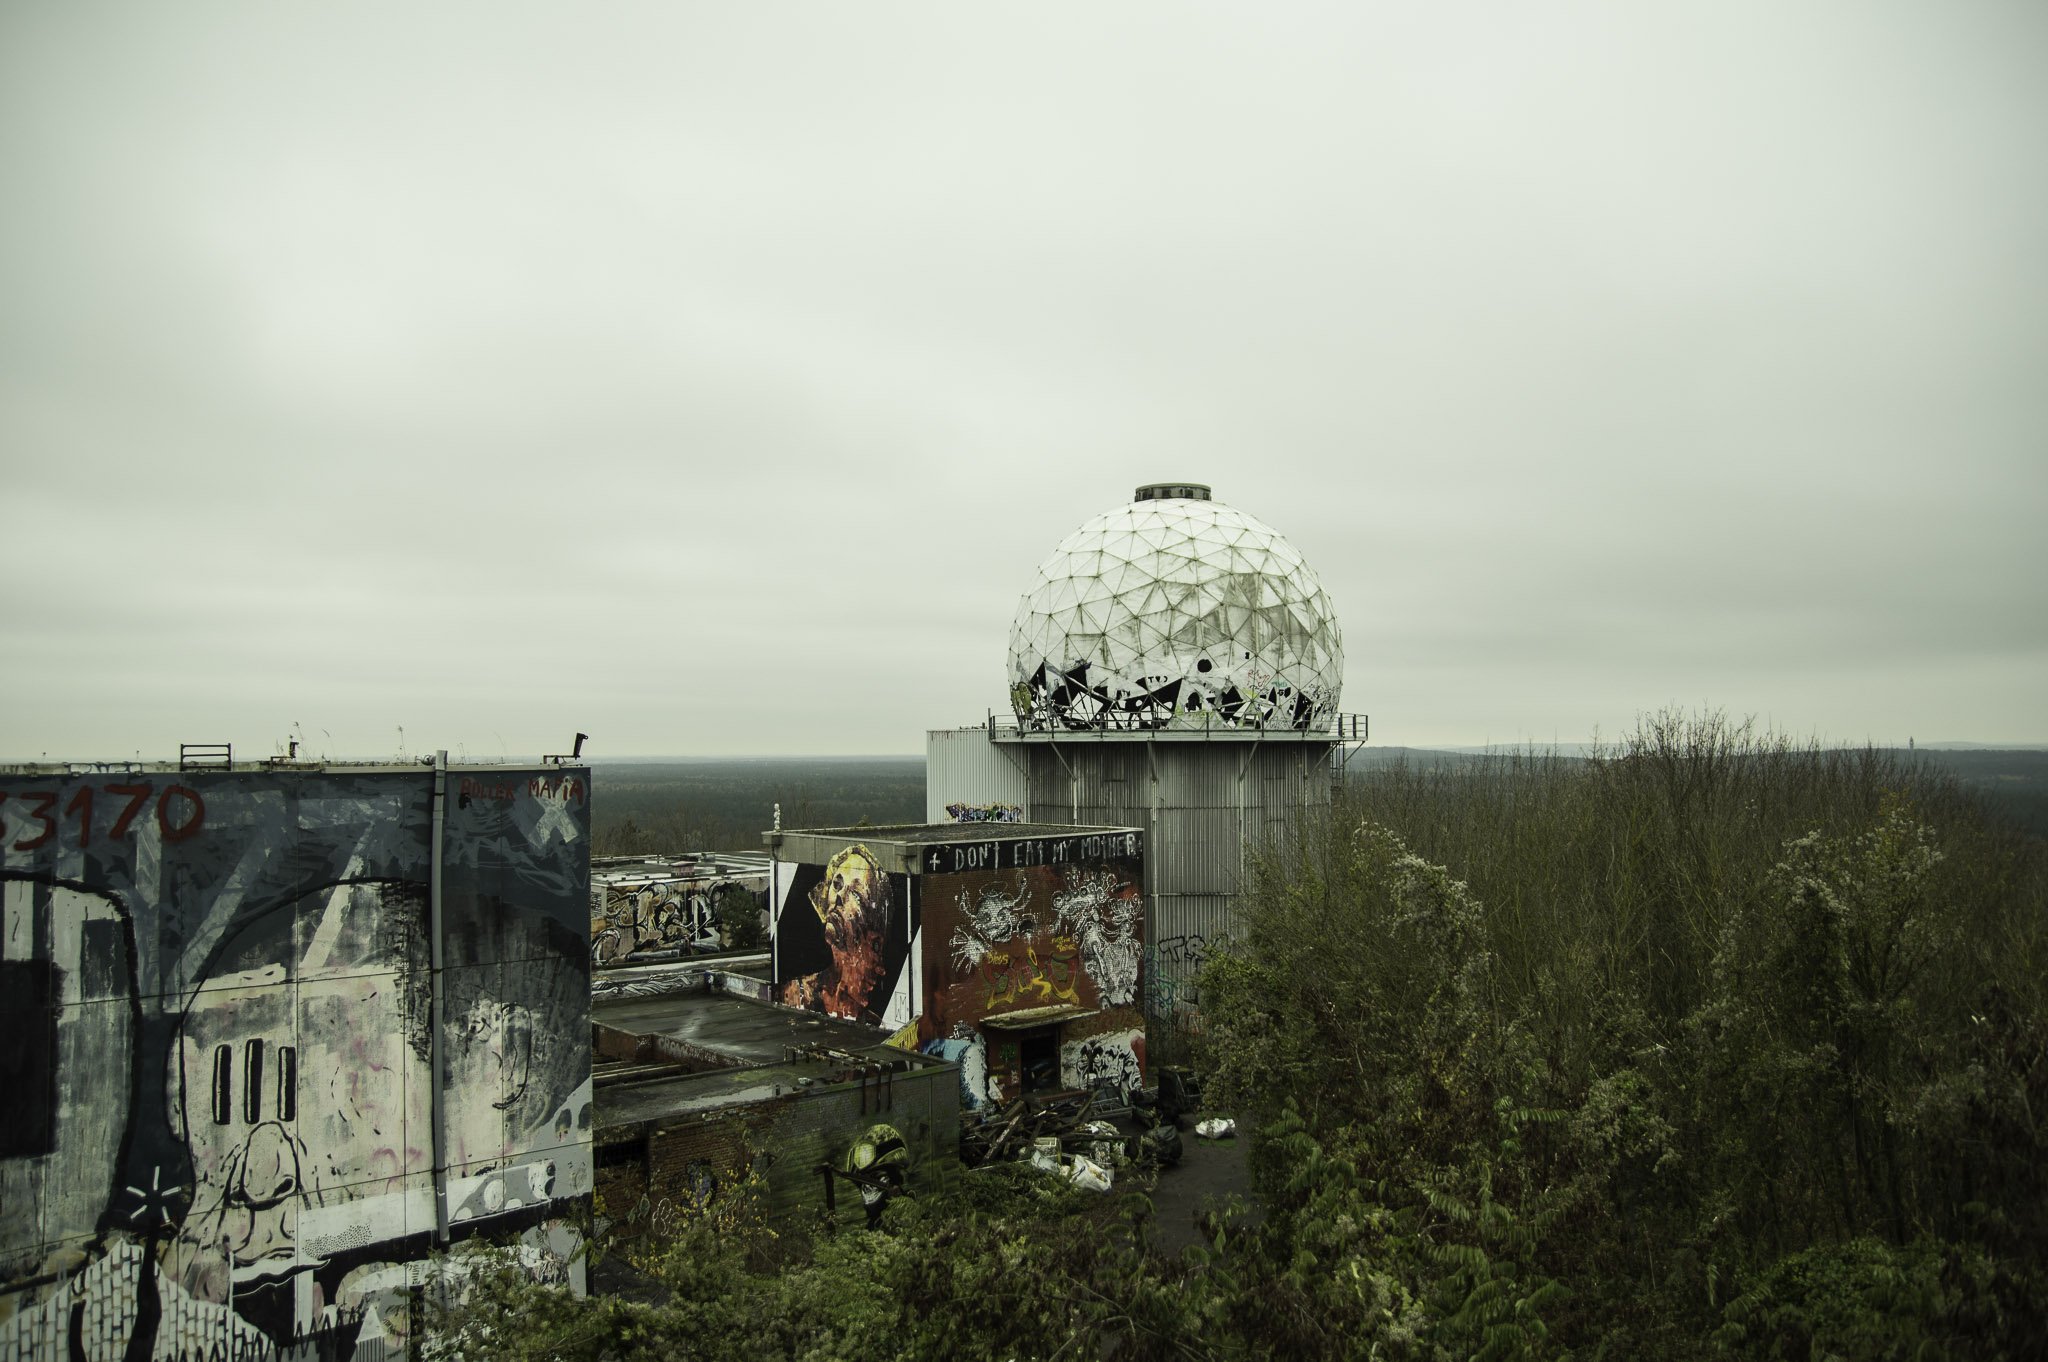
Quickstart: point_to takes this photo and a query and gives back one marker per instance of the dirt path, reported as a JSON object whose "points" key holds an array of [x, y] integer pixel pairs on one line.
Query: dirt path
{"points": [[1210, 1172]]}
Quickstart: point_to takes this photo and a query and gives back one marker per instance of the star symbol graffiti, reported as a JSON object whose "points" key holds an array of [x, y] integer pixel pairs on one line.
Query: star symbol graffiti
{"points": [[158, 1200]]}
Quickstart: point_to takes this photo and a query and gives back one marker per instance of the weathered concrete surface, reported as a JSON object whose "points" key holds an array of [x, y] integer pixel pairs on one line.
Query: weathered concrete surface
{"points": [[747, 1031], [1210, 1173]]}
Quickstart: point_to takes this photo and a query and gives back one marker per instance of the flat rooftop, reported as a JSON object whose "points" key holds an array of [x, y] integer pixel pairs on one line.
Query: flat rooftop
{"points": [[727, 1024], [695, 973], [662, 1099], [758, 1035], [1219, 734], [687, 865], [921, 848], [1205, 726], [934, 834], [579, 766]]}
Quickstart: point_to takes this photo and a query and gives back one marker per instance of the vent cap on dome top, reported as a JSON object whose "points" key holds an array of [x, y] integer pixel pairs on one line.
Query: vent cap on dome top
{"points": [[1173, 491]]}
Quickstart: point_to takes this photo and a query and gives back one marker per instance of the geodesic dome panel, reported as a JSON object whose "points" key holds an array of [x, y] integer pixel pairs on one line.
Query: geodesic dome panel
{"points": [[1175, 611]]}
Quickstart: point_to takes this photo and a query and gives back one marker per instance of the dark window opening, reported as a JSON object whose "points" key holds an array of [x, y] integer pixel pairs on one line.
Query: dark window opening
{"points": [[223, 1084], [252, 1095], [287, 1083], [28, 1058], [619, 1155]]}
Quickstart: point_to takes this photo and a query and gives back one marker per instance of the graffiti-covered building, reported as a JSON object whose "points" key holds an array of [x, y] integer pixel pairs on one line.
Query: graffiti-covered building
{"points": [[273, 1035], [1014, 949], [645, 909], [1175, 666]]}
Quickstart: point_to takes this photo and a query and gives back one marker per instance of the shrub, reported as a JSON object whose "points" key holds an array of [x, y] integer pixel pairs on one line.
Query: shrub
{"points": [[1596, 1047]]}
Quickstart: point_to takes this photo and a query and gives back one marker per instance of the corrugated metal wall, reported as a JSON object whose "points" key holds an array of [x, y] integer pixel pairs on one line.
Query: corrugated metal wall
{"points": [[1201, 805], [961, 766]]}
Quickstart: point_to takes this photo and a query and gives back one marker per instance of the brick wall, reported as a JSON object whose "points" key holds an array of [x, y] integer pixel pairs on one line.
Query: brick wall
{"points": [[785, 1138]]}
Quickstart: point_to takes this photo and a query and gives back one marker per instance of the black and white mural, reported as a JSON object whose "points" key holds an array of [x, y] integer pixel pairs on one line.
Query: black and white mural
{"points": [[221, 1135]]}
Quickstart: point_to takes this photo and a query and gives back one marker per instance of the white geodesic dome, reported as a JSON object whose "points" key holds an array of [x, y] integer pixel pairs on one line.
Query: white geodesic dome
{"points": [[1175, 611]]}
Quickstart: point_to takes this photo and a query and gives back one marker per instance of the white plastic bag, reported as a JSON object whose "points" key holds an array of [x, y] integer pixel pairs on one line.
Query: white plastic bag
{"points": [[1216, 1128], [1086, 1174], [1089, 1175]]}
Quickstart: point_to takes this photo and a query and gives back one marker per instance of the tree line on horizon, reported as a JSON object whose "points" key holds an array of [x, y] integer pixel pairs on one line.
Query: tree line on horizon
{"points": [[655, 807]]}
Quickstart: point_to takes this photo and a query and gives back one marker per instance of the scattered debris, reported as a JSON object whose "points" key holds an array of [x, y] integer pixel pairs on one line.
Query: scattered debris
{"points": [[1159, 1147], [1067, 1133], [1178, 1093], [1083, 1172], [1068, 1121], [1110, 1148]]}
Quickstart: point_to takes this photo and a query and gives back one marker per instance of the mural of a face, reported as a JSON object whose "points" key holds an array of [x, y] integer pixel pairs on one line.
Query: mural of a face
{"points": [[234, 1104], [880, 1163], [853, 901]]}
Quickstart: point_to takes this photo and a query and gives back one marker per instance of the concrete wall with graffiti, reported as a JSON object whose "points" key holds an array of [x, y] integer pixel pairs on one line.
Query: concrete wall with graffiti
{"points": [[221, 1135], [1023, 927], [997, 812], [1173, 968], [642, 911], [844, 934]]}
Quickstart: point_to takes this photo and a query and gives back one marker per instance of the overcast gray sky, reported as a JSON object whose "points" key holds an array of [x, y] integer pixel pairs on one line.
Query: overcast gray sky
{"points": [[713, 378]]}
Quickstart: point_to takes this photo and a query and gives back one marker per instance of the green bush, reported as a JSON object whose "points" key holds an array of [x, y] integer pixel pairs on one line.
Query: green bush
{"points": [[1626, 1053]]}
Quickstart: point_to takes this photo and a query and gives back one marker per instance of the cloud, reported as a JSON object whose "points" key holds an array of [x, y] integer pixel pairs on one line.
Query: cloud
{"points": [[712, 380]]}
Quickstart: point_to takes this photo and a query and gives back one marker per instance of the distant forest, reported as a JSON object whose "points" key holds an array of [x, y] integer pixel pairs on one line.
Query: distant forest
{"points": [[2013, 784], [725, 805]]}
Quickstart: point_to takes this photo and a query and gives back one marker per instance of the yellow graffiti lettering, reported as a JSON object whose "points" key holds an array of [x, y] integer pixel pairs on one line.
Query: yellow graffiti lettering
{"points": [[996, 987], [1052, 979]]}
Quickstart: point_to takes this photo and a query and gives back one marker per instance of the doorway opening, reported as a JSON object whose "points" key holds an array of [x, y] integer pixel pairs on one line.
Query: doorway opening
{"points": [[1038, 1055]]}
